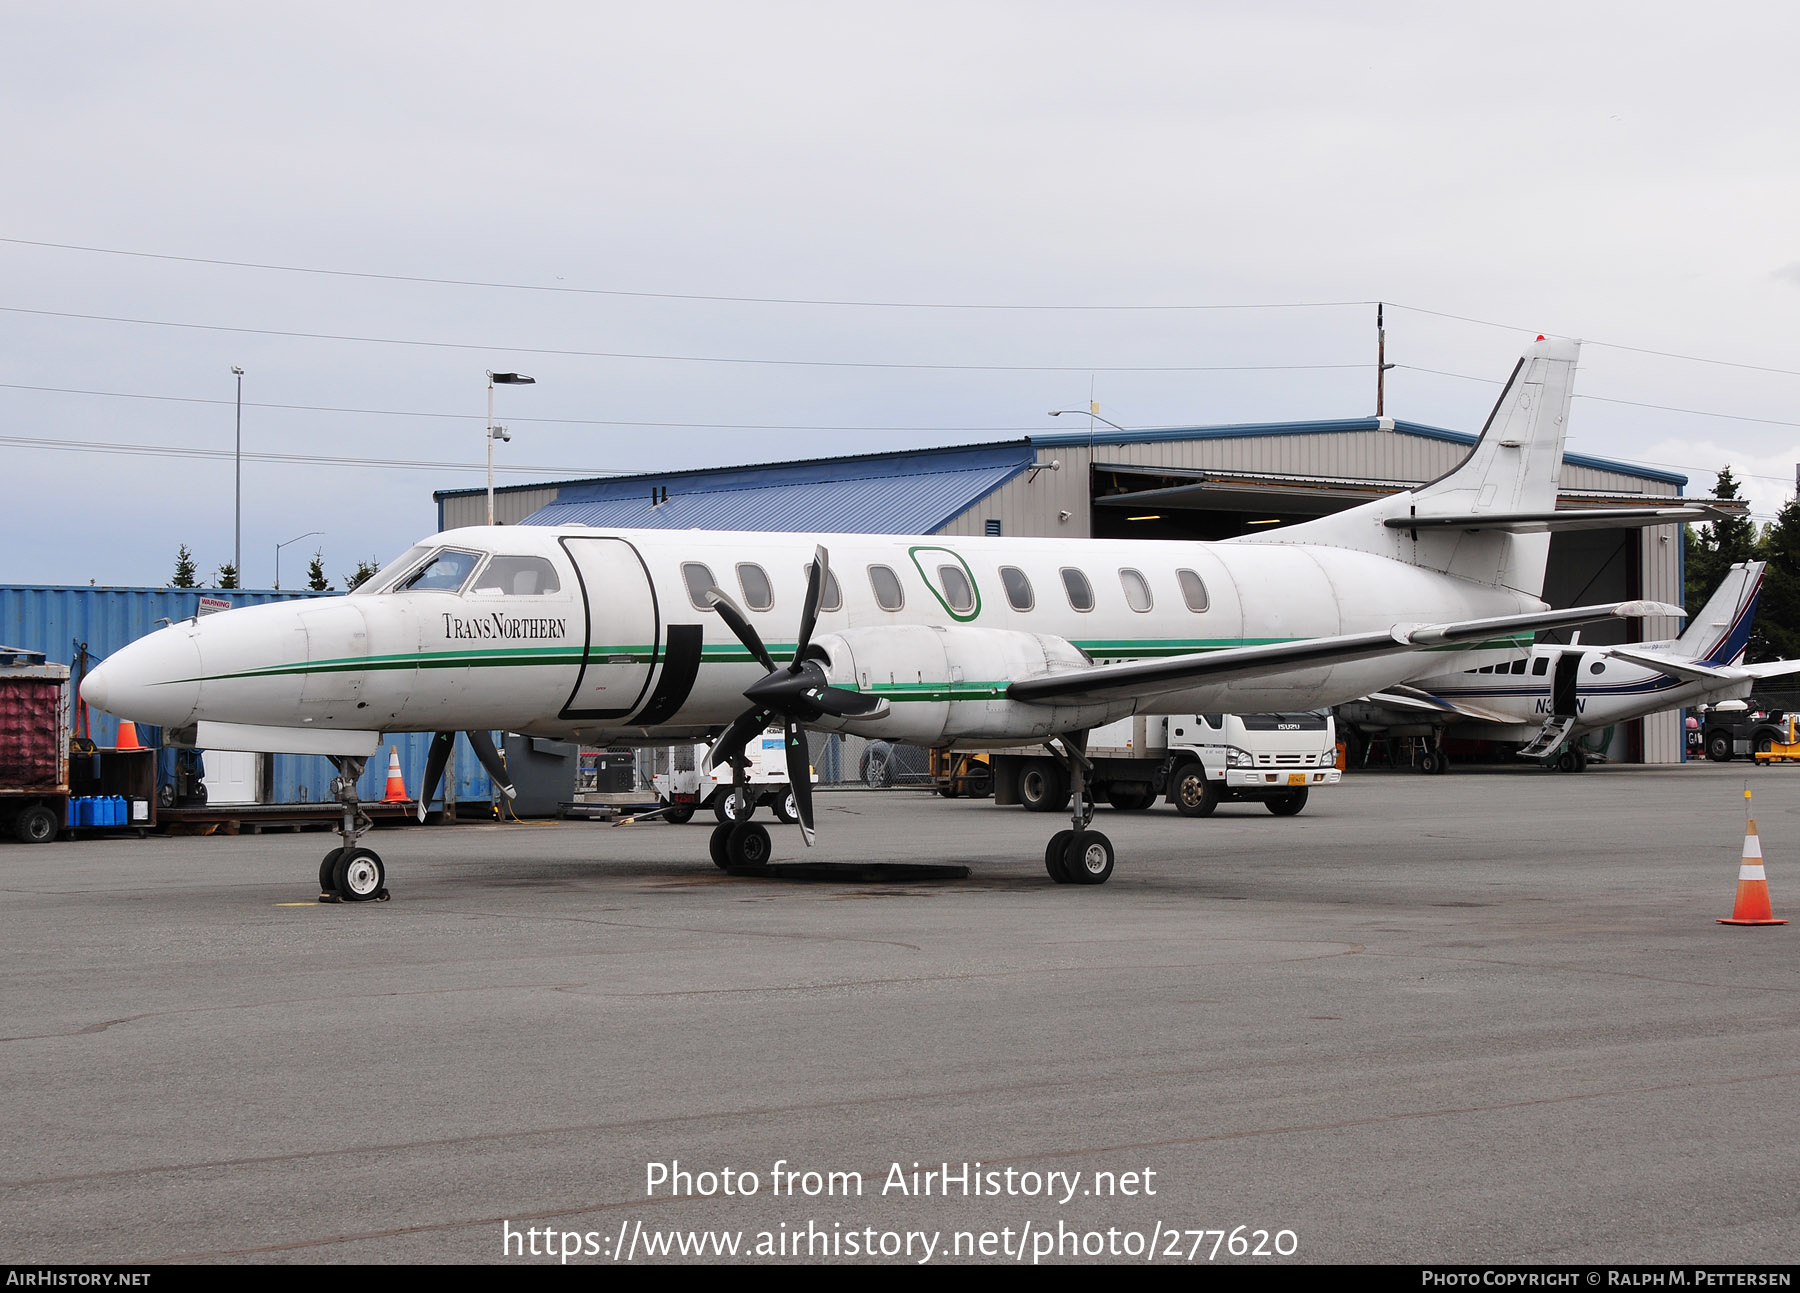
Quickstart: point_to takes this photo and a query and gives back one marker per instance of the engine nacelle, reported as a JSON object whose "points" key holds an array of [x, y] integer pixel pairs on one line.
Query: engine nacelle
{"points": [[945, 685]]}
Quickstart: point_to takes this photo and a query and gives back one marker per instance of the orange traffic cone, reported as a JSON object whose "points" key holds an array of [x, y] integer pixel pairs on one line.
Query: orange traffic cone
{"points": [[396, 787], [127, 739], [1753, 886]]}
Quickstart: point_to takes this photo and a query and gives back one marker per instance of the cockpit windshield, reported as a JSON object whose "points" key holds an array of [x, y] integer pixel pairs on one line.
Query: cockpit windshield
{"points": [[448, 571], [400, 565]]}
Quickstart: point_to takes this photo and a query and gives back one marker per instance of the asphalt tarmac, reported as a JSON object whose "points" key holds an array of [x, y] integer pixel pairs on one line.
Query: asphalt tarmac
{"points": [[1480, 1018]]}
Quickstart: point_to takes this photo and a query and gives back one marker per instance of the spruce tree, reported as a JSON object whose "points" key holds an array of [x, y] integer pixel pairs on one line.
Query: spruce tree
{"points": [[364, 571], [1776, 635], [184, 569], [227, 576], [315, 573]]}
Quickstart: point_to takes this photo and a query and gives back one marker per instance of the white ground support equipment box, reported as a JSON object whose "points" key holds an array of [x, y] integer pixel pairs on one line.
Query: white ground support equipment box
{"points": [[1198, 761], [682, 787]]}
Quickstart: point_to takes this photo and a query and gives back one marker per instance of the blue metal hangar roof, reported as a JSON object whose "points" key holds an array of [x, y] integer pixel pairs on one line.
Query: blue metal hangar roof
{"points": [[911, 492]]}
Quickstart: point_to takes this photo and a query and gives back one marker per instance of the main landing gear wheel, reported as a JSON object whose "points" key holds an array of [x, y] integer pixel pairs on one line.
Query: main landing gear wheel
{"points": [[748, 845], [328, 870], [359, 875], [1432, 762], [1089, 859], [1054, 853], [716, 845]]}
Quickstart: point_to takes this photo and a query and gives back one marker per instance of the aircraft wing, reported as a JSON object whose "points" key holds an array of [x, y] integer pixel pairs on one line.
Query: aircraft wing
{"points": [[1174, 673], [1419, 701], [1585, 518]]}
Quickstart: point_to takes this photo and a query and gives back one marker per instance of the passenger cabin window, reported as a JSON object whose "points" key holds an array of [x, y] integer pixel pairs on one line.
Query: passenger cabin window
{"points": [[832, 598], [1018, 588], [445, 573], [1137, 589], [1193, 591], [517, 577], [958, 591], [886, 584], [1518, 666], [754, 580], [1081, 593], [698, 579]]}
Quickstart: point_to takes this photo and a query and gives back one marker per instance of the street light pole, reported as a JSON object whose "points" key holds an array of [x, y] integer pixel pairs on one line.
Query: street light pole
{"points": [[498, 433], [237, 519], [279, 546]]}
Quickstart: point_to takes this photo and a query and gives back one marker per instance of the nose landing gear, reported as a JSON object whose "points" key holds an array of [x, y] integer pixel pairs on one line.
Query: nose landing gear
{"points": [[350, 873]]}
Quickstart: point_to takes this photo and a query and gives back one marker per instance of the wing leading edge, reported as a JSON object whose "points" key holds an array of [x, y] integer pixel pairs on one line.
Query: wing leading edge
{"points": [[1175, 673]]}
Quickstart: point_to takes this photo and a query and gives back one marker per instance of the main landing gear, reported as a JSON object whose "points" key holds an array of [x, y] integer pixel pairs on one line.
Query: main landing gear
{"points": [[1080, 855], [350, 873]]}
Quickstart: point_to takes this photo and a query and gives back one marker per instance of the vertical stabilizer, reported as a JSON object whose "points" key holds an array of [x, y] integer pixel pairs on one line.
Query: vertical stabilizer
{"points": [[1515, 467], [1718, 633]]}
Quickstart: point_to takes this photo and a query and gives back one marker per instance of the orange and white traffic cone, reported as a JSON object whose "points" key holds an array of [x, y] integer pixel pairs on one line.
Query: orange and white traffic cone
{"points": [[1753, 886], [127, 738], [396, 787]]}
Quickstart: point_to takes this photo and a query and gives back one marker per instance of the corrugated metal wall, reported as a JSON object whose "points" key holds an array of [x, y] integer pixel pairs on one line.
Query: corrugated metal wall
{"points": [[53, 619]]}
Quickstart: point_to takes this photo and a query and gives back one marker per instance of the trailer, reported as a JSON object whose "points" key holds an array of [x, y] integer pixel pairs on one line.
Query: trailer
{"points": [[1196, 761], [34, 746]]}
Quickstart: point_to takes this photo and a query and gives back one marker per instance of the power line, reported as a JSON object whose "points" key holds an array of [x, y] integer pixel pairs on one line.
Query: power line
{"points": [[1608, 399], [311, 460], [686, 359], [668, 296], [480, 417]]}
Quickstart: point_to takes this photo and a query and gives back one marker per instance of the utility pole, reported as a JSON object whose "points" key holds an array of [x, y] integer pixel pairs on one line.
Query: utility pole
{"points": [[237, 519], [1381, 363]]}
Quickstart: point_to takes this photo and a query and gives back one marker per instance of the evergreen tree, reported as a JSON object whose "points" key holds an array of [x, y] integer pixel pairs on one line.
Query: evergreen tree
{"points": [[1711, 550], [227, 576], [1776, 635], [315, 573], [364, 571], [184, 569]]}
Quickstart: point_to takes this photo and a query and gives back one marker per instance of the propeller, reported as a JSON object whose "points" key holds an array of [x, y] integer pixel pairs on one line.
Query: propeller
{"points": [[796, 693], [439, 755]]}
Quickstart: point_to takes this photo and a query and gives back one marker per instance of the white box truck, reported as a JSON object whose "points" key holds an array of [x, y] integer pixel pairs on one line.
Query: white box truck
{"points": [[1196, 761]]}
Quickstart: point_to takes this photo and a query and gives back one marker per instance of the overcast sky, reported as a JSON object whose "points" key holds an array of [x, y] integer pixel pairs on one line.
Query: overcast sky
{"points": [[1622, 173]]}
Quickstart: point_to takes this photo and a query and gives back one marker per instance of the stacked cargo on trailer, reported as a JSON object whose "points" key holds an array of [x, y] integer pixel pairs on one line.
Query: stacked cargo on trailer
{"points": [[34, 745]]}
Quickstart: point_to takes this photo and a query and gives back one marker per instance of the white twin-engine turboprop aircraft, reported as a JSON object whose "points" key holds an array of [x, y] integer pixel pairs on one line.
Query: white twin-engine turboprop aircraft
{"points": [[630, 637]]}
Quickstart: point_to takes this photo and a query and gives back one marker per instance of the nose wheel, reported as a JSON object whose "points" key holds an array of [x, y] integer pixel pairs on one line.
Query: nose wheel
{"points": [[351, 873]]}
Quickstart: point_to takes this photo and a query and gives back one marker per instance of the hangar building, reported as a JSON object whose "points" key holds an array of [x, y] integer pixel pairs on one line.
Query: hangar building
{"points": [[1170, 483]]}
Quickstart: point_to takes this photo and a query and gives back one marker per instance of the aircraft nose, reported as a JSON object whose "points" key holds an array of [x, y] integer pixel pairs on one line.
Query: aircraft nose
{"points": [[155, 680]]}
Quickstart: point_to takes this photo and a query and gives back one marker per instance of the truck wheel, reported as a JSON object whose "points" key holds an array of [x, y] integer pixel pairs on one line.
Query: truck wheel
{"points": [[1763, 741], [36, 825], [1288, 805], [726, 810], [785, 807], [1042, 787], [1718, 747], [678, 814], [1192, 793]]}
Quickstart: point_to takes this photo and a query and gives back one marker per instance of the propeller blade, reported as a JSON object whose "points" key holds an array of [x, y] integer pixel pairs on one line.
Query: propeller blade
{"points": [[435, 759], [799, 768], [483, 745], [815, 594], [732, 616], [730, 746]]}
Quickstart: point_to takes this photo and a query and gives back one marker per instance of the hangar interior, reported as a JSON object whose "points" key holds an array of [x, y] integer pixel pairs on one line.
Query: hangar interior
{"points": [[1169, 483]]}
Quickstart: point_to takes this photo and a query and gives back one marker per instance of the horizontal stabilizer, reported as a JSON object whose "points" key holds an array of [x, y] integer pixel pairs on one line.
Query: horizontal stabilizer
{"points": [[1687, 670], [1140, 678], [1771, 669], [1587, 518]]}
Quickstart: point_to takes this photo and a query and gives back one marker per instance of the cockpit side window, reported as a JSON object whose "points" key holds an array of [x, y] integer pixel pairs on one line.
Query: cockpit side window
{"points": [[400, 565], [518, 577], [444, 573]]}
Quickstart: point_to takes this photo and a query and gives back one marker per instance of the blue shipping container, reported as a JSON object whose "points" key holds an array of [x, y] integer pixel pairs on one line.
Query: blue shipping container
{"points": [[54, 620]]}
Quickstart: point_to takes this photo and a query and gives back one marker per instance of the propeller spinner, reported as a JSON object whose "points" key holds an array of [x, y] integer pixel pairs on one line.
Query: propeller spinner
{"points": [[796, 693]]}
